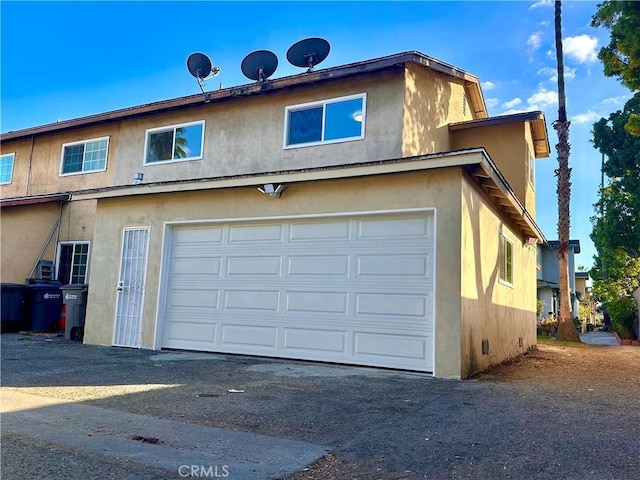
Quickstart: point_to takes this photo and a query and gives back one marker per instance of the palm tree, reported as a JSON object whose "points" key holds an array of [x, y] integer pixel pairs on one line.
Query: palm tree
{"points": [[566, 328]]}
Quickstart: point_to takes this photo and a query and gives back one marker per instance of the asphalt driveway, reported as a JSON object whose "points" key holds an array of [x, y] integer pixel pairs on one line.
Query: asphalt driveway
{"points": [[76, 411]]}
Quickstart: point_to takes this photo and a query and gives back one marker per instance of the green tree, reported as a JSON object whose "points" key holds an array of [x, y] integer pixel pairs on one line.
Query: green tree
{"points": [[616, 226], [614, 285], [621, 58], [566, 328]]}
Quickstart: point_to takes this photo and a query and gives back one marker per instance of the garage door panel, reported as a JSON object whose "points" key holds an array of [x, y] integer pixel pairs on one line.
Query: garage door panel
{"points": [[395, 305], [197, 266], [249, 336], [243, 300], [394, 346], [317, 301], [190, 330], [192, 298], [254, 266], [321, 340], [196, 237], [393, 227], [314, 265], [255, 233], [393, 265], [352, 290], [319, 230]]}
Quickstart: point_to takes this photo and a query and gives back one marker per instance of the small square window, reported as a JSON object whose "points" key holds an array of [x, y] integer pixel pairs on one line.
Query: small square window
{"points": [[6, 167], [86, 156], [73, 260], [329, 121], [506, 260], [174, 143]]}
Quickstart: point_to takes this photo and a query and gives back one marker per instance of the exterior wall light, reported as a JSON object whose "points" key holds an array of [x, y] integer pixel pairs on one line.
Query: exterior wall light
{"points": [[273, 190]]}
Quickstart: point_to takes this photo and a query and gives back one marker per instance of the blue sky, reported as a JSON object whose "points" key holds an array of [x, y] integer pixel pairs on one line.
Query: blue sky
{"points": [[63, 60]]}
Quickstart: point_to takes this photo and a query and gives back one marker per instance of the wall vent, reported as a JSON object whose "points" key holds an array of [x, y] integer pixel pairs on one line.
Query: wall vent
{"points": [[485, 346]]}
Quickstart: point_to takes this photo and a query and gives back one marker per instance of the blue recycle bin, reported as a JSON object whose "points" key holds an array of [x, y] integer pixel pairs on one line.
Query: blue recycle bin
{"points": [[43, 307]]}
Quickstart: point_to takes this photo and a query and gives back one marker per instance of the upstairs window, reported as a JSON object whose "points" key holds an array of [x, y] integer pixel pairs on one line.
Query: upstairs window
{"points": [[174, 143], [532, 169], [6, 167], [506, 260], [330, 121], [85, 156]]}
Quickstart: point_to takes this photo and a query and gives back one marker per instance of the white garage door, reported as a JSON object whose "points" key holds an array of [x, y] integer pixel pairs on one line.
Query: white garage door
{"points": [[355, 290]]}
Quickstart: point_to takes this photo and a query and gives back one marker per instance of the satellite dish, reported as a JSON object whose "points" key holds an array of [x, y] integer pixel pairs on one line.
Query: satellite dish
{"points": [[259, 65], [308, 52], [200, 67]]}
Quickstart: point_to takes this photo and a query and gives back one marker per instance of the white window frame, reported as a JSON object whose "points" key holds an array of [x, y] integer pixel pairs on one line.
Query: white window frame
{"points": [[74, 243], [323, 104], [83, 142], [13, 161], [532, 169], [167, 128], [503, 257]]}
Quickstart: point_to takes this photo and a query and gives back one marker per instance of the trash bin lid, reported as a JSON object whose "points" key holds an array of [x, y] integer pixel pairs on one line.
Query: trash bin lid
{"points": [[42, 286], [75, 286]]}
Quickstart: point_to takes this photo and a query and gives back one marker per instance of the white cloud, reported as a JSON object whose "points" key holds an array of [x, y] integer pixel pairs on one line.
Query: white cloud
{"points": [[615, 100], [545, 23], [491, 102], [543, 98], [549, 72], [540, 100], [588, 117], [512, 103], [541, 3], [488, 85], [534, 41], [552, 73], [581, 48]]}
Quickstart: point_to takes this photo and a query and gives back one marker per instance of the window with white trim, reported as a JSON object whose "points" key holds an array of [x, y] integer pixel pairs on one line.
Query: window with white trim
{"points": [[174, 143], [6, 167], [506, 260], [85, 156], [73, 261], [532, 169], [328, 121]]}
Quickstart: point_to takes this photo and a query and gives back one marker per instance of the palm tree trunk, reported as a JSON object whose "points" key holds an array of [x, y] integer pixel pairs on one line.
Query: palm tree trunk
{"points": [[566, 329]]}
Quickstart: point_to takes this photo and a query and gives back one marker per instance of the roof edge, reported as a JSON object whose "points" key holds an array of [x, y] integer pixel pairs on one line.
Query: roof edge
{"points": [[254, 88]]}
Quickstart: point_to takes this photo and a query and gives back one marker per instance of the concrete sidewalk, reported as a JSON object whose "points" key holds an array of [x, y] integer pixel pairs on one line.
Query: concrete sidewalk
{"points": [[174, 446], [599, 338]]}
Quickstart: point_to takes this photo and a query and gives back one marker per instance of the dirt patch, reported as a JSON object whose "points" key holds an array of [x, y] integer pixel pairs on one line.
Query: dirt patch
{"points": [[551, 369]]}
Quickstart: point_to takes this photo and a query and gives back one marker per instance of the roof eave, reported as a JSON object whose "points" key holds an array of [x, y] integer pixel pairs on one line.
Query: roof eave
{"points": [[315, 76]]}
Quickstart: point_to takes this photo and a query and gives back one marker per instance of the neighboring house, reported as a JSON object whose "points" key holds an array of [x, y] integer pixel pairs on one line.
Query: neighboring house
{"points": [[549, 274], [397, 228], [585, 298]]}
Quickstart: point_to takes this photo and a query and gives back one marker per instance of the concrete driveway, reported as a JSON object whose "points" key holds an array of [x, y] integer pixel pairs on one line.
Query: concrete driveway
{"points": [[75, 411]]}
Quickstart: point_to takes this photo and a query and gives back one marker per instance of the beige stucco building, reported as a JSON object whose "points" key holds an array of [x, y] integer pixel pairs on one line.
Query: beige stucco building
{"points": [[364, 214]]}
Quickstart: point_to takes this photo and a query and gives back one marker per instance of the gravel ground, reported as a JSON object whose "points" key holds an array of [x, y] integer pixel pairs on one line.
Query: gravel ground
{"points": [[569, 412]]}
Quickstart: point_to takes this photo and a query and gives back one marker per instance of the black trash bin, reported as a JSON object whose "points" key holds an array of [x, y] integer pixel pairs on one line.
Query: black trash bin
{"points": [[43, 307], [12, 306], [74, 296]]}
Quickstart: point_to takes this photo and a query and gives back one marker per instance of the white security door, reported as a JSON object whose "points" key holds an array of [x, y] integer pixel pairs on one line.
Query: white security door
{"points": [[131, 283], [356, 289]]}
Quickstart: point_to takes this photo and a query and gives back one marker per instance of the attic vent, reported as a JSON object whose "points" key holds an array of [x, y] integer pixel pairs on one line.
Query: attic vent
{"points": [[464, 105]]}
